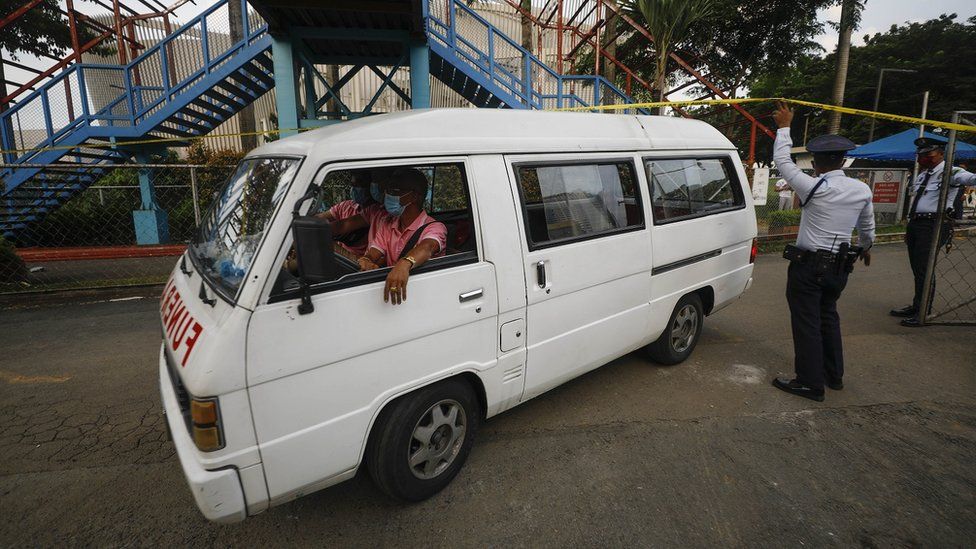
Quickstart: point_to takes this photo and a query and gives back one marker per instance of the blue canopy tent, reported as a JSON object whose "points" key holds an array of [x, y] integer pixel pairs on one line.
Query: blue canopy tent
{"points": [[901, 147]]}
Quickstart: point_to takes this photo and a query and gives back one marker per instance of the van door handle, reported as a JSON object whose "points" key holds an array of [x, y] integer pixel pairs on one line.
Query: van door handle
{"points": [[473, 294], [540, 272]]}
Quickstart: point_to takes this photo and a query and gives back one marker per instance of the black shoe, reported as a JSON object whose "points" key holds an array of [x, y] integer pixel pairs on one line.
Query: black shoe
{"points": [[907, 311], [911, 322], [836, 385], [795, 387]]}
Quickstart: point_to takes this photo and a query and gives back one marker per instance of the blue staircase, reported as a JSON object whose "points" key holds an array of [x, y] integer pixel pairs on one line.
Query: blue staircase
{"points": [[490, 69], [196, 78], [184, 86]]}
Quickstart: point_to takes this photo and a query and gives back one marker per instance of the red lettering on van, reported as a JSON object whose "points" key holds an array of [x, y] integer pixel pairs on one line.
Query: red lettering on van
{"points": [[191, 341]]}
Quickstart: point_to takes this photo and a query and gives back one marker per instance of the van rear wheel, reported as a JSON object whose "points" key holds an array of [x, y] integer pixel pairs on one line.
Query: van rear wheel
{"points": [[422, 440], [681, 334]]}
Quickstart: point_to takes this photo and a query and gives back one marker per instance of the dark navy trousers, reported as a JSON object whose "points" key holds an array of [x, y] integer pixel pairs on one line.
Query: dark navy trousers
{"points": [[817, 349]]}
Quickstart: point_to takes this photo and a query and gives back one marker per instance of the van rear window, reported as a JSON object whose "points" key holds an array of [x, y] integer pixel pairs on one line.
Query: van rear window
{"points": [[570, 201], [684, 188]]}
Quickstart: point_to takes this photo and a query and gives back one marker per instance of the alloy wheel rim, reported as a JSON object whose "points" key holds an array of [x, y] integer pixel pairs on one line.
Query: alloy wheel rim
{"points": [[684, 328], [437, 439]]}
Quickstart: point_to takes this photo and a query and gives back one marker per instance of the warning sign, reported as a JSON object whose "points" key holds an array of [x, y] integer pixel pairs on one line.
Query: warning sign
{"points": [[886, 191]]}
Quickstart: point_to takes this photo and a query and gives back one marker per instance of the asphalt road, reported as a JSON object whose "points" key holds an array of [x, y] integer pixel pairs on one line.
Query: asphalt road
{"points": [[701, 454]]}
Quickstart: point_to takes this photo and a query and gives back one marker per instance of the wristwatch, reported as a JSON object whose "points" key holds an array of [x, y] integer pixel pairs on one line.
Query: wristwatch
{"points": [[413, 262]]}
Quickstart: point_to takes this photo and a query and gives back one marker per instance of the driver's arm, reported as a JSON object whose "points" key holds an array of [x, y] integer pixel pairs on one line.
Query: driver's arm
{"points": [[395, 290]]}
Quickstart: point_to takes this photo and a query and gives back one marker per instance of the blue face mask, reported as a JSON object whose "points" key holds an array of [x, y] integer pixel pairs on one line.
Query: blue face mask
{"points": [[359, 196], [376, 192], [392, 205]]}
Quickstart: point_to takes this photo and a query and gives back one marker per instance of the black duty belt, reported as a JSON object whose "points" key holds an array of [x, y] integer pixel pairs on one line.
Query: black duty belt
{"points": [[922, 216], [825, 260]]}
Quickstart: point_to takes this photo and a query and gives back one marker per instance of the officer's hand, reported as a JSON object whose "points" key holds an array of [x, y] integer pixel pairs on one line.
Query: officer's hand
{"points": [[783, 115], [866, 258]]}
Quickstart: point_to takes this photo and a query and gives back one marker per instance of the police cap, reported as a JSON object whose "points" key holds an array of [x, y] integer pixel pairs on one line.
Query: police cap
{"points": [[927, 144], [830, 144]]}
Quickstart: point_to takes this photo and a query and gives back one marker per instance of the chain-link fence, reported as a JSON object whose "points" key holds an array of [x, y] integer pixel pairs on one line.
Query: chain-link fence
{"points": [[954, 298], [59, 239], [778, 211]]}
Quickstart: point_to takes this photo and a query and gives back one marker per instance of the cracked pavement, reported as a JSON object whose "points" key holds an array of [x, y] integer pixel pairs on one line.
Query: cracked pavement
{"points": [[701, 454]]}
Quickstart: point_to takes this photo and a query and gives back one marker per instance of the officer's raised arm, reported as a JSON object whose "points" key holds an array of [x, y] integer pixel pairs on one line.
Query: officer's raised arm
{"points": [[799, 181]]}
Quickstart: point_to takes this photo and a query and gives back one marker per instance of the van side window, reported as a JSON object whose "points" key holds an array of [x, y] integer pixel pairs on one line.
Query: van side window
{"points": [[684, 188], [352, 201], [572, 201]]}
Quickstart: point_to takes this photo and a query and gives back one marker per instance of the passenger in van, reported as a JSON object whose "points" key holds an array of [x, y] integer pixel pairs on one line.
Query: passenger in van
{"points": [[351, 219], [406, 237]]}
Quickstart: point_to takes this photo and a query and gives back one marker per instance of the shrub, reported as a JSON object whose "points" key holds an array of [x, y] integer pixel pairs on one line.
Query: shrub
{"points": [[783, 218], [12, 267]]}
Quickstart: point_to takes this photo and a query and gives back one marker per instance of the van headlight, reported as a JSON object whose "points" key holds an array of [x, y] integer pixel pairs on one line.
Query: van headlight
{"points": [[205, 418]]}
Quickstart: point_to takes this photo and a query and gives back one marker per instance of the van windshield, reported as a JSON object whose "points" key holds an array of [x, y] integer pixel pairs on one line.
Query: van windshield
{"points": [[228, 238]]}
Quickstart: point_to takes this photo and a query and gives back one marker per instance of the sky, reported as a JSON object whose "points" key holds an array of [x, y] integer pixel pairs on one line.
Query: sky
{"points": [[879, 15]]}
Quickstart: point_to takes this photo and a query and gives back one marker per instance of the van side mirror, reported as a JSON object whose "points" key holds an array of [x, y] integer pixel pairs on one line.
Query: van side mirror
{"points": [[313, 249]]}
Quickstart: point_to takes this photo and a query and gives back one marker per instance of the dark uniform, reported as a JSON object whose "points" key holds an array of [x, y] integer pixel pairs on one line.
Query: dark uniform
{"points": [[922, 218], [832, 205]]}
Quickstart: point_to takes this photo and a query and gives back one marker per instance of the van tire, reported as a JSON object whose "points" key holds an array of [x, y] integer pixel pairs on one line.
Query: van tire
{"points": [[681, 333], [448, 445]]}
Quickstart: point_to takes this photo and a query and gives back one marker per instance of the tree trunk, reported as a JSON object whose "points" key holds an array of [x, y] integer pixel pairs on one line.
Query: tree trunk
{"points": [[660, 76], [610, 46], [843, 53], [526, 5], [245, 117]]}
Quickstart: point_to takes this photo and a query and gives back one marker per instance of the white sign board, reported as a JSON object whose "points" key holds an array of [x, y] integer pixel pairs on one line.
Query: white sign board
{"points": [[760, 186]]}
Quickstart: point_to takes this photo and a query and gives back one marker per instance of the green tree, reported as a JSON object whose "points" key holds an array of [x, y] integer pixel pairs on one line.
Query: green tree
{"points": [[938, 49], [670, 23]]}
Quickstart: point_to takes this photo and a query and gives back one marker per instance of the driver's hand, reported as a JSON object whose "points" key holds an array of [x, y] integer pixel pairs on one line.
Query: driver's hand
{"points": [[395, 291], [366, 264]]}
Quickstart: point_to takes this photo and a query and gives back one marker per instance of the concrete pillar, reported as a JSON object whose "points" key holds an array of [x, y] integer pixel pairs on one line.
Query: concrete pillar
{"points": [[286, 87], [151, 222], [419, 75]]}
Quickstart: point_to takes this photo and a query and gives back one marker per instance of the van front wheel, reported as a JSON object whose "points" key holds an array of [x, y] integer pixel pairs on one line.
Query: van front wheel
{"points": [[681, 334], [422, 440]]}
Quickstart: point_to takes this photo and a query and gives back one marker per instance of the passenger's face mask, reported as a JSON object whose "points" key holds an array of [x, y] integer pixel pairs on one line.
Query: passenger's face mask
{"points": [[393, 206], [359, 195], [376, 192]]}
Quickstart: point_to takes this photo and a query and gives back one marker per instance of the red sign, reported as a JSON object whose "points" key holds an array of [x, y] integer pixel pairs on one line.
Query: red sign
{"points": [[886, 192]]}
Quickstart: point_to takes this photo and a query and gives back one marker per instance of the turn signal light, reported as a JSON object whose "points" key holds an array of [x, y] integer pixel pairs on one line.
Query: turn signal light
{"points": [[205, 415], [203, 412], [207, 439], [755, 250]]}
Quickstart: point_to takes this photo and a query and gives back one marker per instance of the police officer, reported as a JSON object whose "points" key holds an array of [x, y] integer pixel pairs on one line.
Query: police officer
{"points": [[831, 205], [922, 214]]}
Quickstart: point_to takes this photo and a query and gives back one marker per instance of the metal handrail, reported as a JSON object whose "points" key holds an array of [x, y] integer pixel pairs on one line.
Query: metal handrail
{"points": [[450, 35], [134, 112]]}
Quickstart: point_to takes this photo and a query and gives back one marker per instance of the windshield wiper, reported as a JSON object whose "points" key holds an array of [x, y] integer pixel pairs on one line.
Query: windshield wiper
{"points": [[203, 295], [183, 268]]}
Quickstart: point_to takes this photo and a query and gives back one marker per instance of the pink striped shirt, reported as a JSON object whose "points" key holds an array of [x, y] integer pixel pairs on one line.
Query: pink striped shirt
{"points": [[385, 235], [350, 208]]}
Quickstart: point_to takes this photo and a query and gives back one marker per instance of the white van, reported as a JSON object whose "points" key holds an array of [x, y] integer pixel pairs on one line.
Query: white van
{"points": [[571, 240]]}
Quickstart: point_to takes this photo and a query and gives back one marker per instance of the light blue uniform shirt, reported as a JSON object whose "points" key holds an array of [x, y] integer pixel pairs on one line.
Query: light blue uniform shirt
{"points": [[929, 203], [833, 210]]}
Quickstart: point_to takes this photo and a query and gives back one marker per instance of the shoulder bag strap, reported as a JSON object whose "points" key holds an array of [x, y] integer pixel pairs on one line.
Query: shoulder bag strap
{"points": [[803, 203]]}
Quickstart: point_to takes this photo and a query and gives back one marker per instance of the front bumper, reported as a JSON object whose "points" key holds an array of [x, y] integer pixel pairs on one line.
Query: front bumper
{"points": [[218, 494]]}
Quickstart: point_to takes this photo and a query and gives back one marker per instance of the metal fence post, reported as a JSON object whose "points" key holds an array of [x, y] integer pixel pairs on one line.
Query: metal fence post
{"points": [[929, 285], [193, 191]]}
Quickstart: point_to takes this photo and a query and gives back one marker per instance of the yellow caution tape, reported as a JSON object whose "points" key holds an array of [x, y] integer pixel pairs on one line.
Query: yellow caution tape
{"points": [[650, 105], [845, 110]]}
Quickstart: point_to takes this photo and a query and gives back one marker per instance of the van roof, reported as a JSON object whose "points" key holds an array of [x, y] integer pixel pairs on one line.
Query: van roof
{"points": [[424, 132]]}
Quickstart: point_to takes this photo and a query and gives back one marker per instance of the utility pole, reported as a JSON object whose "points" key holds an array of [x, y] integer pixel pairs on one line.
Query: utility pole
{"points": [[877, 97]]}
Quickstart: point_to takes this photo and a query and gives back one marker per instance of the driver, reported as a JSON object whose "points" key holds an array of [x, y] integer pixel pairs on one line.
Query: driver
{"points": [[391, 234], [352, 218]]}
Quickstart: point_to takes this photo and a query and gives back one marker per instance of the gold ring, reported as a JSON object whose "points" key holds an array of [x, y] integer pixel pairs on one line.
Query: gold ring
{"points": [[393, 289]]}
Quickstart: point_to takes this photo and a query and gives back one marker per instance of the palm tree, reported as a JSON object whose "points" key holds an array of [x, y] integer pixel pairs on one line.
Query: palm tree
{"points": [[669, 22], [850, 16]]}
